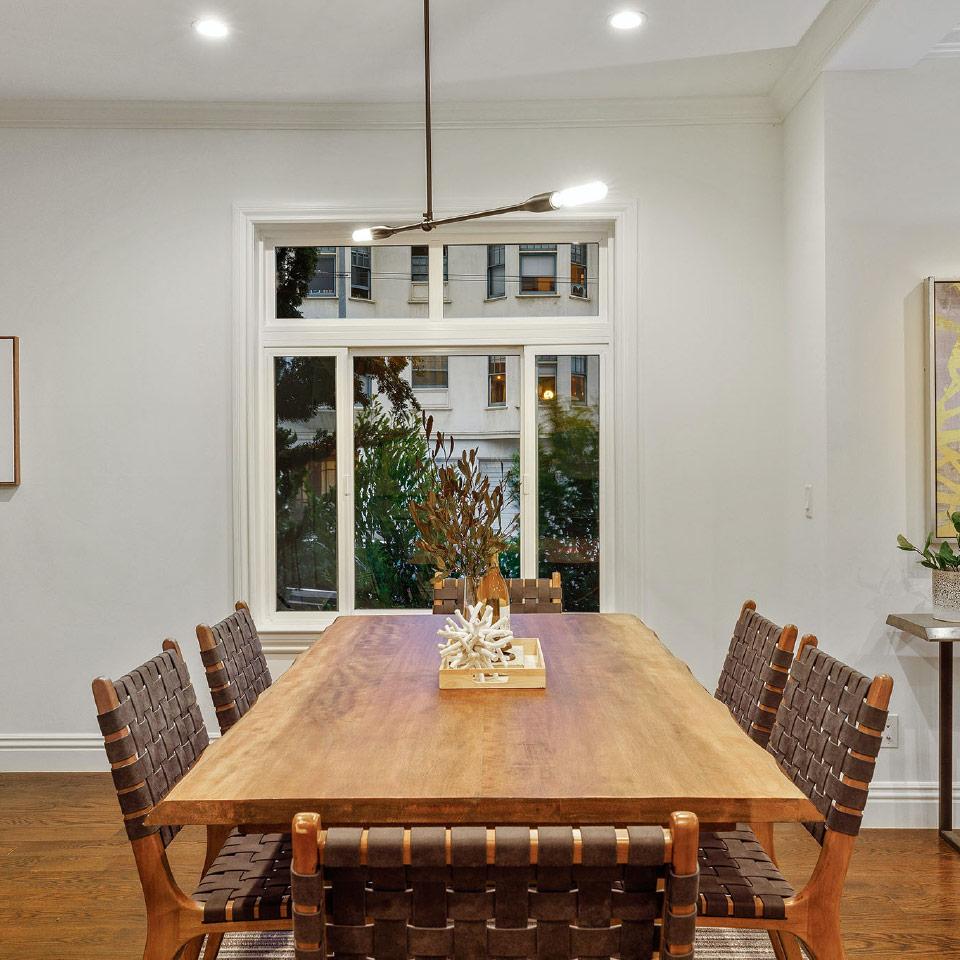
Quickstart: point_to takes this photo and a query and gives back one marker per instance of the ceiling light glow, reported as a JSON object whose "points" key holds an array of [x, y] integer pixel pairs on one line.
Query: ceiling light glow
{"points": [[365, 235], [576, 196], [626, 20], [211, 27]]}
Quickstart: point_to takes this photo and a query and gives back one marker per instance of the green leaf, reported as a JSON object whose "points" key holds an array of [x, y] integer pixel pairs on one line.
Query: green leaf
{"points": [[955, 520], [904, 544]]}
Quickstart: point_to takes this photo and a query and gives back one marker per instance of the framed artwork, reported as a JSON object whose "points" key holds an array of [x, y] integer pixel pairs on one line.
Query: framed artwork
{"points": [[9, 411], [943, 305]]}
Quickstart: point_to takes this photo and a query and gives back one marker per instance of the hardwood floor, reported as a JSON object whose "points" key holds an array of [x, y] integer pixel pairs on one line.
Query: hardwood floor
{"points": [[69, 889]]}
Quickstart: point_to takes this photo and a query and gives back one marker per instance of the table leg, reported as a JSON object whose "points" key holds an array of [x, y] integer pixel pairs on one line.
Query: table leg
{"points": [[947, 832]]}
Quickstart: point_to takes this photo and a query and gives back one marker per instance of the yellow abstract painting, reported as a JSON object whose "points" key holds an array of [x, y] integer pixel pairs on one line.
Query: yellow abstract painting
{"points": [[946, 387]]}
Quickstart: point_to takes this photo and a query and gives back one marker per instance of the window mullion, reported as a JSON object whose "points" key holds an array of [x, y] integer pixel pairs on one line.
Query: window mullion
{"points": [[528, 465], [345, 484]]}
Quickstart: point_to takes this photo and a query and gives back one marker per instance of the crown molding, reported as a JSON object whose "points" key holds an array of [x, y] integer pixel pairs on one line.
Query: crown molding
{"points": [[523, 114], [834, 24]]}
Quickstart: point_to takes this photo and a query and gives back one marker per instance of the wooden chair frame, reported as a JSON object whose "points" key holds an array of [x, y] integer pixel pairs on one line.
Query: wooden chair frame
{"points": [[680, 851], [813, 914], [174, 920]]}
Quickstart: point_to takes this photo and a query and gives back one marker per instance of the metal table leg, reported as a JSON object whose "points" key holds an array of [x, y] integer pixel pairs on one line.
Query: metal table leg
{"points": [[947, 832]]}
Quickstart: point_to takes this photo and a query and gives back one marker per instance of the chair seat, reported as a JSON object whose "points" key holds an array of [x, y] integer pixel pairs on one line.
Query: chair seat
{"points": [[249, 880], [738, 879]]}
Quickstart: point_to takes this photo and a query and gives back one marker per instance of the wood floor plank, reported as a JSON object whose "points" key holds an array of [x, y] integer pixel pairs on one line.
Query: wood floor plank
{"points": [[69, 888]]}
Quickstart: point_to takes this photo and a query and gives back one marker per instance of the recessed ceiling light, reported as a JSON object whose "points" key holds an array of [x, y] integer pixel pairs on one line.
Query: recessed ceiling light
{"points": [[626, 20], [211, 27]]}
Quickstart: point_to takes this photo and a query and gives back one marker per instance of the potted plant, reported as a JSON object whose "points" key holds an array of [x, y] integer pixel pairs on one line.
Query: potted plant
{"points": [[459, 521], [945, 565]]}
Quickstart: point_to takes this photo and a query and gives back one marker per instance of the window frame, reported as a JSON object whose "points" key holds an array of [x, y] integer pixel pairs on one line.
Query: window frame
{"points": [[354, 267], [326, 253], [257, 331], [492, 359], [501, 266], [528, 251]]}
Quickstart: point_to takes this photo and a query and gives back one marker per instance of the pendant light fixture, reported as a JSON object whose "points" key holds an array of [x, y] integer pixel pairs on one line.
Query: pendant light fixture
{"points": [[541, 203]]}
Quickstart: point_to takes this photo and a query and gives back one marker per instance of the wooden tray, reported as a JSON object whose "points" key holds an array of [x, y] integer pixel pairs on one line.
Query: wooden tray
{"points": [[528, 672]]}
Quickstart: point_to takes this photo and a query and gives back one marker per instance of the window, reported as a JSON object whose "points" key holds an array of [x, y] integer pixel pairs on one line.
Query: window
{"points": [[497, 381], [390, 453], [429, 372], [538, 268], [360, 277], [578, 270], [337, 400], [305, 471], [323, 283], [578, 379], [547, 378], [568, 493], [420, 264], [496, 271]]}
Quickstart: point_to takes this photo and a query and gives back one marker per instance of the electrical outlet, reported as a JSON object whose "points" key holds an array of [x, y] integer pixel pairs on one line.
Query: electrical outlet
{"points": [[891, 732]]}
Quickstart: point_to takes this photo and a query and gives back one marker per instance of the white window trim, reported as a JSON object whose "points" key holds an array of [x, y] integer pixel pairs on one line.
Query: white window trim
{"points": [[614, 334]]}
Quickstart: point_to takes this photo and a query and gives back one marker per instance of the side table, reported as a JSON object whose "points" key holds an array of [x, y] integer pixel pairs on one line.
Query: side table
{"points": [[926, 627]]}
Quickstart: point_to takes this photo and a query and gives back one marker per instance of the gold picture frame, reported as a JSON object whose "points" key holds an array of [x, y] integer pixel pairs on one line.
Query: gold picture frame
{"points": [[943, 333]]}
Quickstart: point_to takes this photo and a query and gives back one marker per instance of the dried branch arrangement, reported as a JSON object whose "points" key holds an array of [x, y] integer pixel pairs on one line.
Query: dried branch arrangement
{"points": [[460, 521]]}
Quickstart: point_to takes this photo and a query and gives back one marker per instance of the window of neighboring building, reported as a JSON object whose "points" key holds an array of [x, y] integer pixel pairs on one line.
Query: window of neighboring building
{"points": [[578, 270], [538, 268], [547, 377], [496, 271], [497, 381], [429, 372], [420, 264], [360, 276], [323, 283], [578, 379]]}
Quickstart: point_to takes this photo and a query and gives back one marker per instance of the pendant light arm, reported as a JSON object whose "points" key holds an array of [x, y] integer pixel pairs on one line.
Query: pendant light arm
{"points": [[428, 120]]}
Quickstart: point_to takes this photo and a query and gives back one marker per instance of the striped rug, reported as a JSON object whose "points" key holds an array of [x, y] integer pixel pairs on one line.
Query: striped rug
{"points": [[711, 945]]}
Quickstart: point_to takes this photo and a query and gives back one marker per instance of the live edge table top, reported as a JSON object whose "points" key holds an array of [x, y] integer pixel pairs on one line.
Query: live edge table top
{"points": [[358, 731]]}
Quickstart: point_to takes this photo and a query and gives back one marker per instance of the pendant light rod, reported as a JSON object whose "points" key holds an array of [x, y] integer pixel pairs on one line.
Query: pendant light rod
{"points": [[541, 203], [428, 119]]}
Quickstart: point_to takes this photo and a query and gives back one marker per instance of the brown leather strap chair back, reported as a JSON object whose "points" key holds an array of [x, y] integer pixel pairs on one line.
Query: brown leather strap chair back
{"points": [[387, 893], [755, 671], [236, 668]]}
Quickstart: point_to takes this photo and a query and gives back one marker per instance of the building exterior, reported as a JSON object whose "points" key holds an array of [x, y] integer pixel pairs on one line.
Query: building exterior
{"points": [[480, 280]]}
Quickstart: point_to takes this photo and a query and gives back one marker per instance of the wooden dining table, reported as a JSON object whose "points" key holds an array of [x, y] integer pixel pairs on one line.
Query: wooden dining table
{"points": [[358, 731]]}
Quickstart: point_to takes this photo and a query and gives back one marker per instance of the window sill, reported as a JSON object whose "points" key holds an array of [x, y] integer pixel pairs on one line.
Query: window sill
{"points": [[502, 296], [573, 296], [361, 300], [320, 296], [538, 296], [496, 406]]}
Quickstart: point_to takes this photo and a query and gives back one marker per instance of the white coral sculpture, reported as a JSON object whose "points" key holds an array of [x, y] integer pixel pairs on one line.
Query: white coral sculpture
{"points": [[475, 642]]}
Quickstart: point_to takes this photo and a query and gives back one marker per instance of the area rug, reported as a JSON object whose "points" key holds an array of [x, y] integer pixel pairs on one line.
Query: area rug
{"points": [[711, 945]]}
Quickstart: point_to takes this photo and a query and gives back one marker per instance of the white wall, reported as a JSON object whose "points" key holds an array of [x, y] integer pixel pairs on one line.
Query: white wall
{"points": [[893, 218], [115, 267]]}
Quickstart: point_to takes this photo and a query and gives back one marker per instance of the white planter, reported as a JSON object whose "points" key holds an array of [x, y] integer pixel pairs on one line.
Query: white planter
{"points": [[946, 595]]}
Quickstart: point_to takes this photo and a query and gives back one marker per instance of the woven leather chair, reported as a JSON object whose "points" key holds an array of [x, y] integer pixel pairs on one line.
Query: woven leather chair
{"points": [[826, 738], [526, 596], [153, 733], [470, 893], [236, 668], [755, 672]]}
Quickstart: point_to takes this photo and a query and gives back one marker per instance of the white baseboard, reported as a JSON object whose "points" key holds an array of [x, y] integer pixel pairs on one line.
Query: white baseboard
{"points": [[892, 804]]}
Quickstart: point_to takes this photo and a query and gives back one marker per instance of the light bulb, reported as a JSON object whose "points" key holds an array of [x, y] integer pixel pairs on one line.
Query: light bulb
{"points": [[548, 394], [626, 20], [364, 235], [575, 196], [211, 27]]}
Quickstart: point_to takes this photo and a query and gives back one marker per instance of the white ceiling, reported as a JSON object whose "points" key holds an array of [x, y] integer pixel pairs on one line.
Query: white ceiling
{"points": [[324, 50]]}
